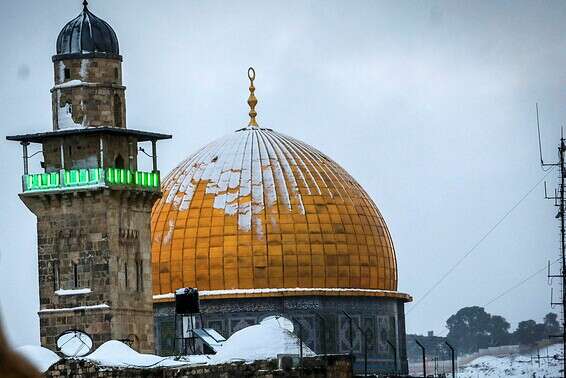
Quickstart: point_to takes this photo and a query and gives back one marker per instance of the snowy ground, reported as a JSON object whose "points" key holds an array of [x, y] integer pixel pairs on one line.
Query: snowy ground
{"points": [[266, 340], [517, 365]]}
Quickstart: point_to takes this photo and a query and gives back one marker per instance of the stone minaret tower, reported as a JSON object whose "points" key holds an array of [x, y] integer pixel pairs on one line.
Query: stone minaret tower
{"points": [[93, 205]]}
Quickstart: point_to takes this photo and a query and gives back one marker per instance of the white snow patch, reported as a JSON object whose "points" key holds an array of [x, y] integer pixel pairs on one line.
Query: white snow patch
{"points": [[117, 354], [73, 291], [279, 321], [71, 83], [65, 117], [85, 63], [516, 365], [93, 307], [61, 67], [40, 357], [246, 172], [265, 340], [271, 337]]}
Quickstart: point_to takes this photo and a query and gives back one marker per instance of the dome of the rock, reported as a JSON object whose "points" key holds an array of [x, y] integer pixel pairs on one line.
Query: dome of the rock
{"points": [[259, 210]]}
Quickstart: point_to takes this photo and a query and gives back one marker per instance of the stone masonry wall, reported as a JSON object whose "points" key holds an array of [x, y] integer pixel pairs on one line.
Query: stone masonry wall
{"points": [[98, 240], [91, 95], [332, 366]]}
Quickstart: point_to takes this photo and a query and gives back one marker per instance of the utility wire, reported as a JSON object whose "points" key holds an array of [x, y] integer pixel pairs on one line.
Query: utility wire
{"points": [[507, 291], [518, 284], [473, 248]]}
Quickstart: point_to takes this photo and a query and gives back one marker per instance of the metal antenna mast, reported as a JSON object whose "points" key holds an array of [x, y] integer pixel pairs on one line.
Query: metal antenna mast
{"points": [[558, 199]]}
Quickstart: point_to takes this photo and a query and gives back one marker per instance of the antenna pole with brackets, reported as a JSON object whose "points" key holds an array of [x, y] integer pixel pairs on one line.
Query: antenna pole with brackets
{"points": [[558, 199]]}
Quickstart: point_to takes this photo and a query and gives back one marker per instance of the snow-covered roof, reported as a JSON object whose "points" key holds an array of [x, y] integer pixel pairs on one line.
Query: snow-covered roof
{"points": [[267, 340], [40, 357], [270, 338]]}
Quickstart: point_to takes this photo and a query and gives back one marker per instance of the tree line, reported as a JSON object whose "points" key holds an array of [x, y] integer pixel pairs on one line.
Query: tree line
{"points": [[472, 328]]}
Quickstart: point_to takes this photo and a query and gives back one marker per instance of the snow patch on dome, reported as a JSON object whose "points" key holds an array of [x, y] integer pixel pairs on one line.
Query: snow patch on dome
{"points": [[247, 172]]}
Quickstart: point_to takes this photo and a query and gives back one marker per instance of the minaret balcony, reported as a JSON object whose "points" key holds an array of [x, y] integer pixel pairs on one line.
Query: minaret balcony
{"points": [[70, 179]]}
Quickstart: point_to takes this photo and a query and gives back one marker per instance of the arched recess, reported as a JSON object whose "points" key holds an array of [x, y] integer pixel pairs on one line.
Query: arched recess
{"points": [[117, 111]]}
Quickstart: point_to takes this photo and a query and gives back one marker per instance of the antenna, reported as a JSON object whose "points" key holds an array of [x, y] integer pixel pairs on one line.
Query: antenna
{"points": [[539, 143], [559, 199]]}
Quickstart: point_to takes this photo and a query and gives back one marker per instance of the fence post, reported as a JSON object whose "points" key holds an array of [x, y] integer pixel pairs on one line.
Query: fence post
{"points": [[453, 360], [364, 335], [424, 357]]}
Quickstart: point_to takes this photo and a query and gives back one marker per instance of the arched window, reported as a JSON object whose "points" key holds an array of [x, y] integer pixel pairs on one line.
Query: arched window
{"points": [[117, 111], [119, 162]]}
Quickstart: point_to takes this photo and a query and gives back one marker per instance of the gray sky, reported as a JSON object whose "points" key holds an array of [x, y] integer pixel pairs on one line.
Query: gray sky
{"points": [[429, 105]]}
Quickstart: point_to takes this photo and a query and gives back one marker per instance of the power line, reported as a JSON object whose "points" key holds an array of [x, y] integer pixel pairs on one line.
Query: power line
{"points": [[510, 289], [473, 248], [518, 284]]}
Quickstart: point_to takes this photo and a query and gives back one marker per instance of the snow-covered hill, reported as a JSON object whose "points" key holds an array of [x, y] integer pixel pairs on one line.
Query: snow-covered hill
{"points": [[525, 365]]}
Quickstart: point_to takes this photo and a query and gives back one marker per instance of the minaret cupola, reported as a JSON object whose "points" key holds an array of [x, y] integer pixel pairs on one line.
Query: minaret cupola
{"points": [[87, 34], [88, 89]]}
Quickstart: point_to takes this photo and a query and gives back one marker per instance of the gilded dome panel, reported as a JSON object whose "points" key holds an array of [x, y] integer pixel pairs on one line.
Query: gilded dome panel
{"points": [[260, 210]]}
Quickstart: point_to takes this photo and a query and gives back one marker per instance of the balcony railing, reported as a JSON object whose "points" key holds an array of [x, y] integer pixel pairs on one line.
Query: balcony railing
{"points": [[90, 178]]}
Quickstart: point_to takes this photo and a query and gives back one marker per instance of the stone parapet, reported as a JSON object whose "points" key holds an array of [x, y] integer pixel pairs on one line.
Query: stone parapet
{"points": [[331, 366]]}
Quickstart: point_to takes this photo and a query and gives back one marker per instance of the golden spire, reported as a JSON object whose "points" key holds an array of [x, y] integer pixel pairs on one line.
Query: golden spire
{"points": [[252, 101]]}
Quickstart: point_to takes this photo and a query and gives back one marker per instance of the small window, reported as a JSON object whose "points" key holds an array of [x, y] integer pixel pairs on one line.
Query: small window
{"points": [[126, 273], [67, 73], [76, 275], [116, 73]]}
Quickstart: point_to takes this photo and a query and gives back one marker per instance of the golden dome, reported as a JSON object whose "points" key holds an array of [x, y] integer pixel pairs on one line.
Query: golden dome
{"points": [[258, 213]]}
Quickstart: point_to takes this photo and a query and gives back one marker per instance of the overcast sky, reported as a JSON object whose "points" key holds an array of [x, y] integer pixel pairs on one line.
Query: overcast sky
{"points": [[429, 105]]}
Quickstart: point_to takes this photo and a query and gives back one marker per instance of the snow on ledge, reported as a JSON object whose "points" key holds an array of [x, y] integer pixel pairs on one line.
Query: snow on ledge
{"points": [[93, 307], [73, 291], [71, 83], [207, 293]]}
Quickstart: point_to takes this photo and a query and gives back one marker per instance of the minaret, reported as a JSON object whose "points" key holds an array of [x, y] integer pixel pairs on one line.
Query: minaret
{"points": [[93, 206]]}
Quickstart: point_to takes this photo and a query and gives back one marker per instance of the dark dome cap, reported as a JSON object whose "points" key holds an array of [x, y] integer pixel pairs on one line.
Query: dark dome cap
{"points": [[87, 34]]}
